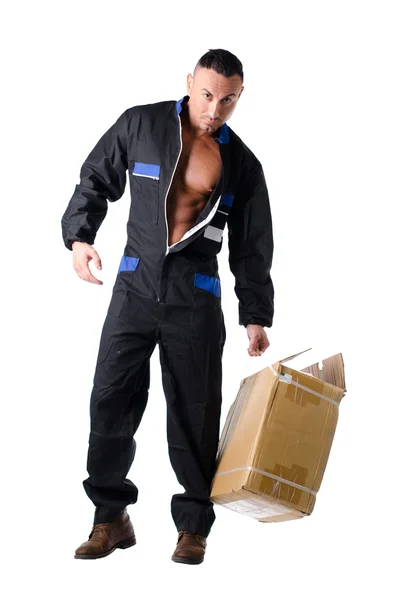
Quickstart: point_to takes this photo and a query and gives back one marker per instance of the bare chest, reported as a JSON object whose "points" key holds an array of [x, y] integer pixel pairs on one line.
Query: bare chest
{"points": [[198, 167], [195, 178]]}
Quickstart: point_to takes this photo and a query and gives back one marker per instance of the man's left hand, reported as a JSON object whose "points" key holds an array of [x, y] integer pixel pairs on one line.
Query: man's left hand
{"points": [[258, 340]]}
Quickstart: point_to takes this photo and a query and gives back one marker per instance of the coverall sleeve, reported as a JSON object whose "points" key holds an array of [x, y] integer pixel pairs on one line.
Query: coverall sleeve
{"points": [[102, 178], [250, 240]]}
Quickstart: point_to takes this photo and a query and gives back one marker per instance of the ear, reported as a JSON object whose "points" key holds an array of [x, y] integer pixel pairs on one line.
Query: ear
{"points": [[189, 82], [241, 91]]}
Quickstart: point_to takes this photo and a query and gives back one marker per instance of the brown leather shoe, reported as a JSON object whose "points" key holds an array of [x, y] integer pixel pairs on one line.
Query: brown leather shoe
{"points": [[190, 548], [106, 537]]}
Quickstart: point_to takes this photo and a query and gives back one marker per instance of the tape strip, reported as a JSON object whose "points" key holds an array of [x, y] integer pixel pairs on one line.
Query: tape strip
{"points": [[302, 387], [281, 479]]}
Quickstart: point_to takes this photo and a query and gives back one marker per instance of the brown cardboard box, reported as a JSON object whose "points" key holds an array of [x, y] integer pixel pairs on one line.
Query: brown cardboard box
{"points": [[276, 440]]}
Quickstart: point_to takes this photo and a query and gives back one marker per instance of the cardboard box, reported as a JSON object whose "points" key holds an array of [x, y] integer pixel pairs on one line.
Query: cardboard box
{"points": [[276, 440]]}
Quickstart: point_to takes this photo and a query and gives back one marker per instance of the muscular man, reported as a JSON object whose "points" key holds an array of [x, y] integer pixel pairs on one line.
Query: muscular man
{"points": [[189, 175]]}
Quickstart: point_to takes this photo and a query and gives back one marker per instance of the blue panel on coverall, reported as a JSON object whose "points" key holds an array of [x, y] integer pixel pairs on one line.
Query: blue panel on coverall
{"points": [[227, 199], [179, 105], [146, 169], [224, 135], [212, 284], [128, 263]]}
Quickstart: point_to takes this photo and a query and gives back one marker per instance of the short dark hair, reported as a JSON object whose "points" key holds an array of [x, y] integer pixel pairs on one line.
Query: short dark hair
{"points": [[222, 61]]}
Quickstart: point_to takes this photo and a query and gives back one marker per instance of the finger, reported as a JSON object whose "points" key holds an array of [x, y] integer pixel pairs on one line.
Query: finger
{"points": [[258, 351], [90, 277], [93, 279], [84, 273], [264, 344], [97, 261], [252, 351]]}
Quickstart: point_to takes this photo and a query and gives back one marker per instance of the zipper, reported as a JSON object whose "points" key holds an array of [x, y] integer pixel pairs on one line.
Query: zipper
{"points": [[148, 176], [169, 186], [165, 200]]}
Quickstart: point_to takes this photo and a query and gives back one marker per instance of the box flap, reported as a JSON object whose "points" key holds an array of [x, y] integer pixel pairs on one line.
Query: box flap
{"points": [[283, 360], [332, 370]]}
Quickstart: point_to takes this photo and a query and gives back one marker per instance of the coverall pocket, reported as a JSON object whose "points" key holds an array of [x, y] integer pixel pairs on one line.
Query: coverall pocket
{"points": [[117, 300], [207, 291], [206, 315], [145, 191], [124, 279]]}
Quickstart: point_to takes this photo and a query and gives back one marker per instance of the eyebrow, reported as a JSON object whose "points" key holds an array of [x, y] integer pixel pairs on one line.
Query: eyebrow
{"points": [[205, 90]]}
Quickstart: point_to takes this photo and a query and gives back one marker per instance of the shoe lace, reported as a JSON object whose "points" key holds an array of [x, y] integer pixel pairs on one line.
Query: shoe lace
{"points": [[101, 528]]}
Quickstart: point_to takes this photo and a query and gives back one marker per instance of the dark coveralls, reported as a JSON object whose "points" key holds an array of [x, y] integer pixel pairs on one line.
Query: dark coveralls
{"points": [[170, 296]]}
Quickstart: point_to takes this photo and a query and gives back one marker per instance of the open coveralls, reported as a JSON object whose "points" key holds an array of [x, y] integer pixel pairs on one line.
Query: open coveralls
{"points": [[170, 295]]}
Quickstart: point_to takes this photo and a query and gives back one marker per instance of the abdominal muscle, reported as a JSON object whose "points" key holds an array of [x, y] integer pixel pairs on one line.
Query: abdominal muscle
{"points": [[183, 208], [194, 181]]}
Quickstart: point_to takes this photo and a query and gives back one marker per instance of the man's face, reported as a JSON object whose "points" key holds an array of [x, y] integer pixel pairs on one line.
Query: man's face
{"points": [[213, 98]]}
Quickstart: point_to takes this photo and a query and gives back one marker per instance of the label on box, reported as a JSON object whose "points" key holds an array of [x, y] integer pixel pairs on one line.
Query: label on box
{"points": [[258, 508]]}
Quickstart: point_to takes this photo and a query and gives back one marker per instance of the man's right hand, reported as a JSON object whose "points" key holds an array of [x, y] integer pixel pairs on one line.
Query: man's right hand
{"points": [[82, 254]]}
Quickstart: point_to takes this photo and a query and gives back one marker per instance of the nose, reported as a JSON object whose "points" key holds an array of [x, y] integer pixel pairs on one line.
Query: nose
{"points": [[213, 109]]}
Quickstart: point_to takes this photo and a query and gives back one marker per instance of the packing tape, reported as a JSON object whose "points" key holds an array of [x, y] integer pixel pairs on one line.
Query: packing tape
{"points": [[281, 479], [286, 378]]}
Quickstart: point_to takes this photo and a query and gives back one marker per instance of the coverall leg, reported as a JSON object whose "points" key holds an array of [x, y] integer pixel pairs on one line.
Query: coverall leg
{"points": [[187, 322]]}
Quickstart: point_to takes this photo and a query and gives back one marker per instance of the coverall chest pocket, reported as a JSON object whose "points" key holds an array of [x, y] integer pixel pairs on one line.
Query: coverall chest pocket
{"points": [[123, 284], [145, 191]]}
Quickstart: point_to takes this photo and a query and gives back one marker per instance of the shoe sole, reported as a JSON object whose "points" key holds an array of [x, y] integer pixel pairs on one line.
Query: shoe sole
{"points": [[122, 545], [187, 561]]}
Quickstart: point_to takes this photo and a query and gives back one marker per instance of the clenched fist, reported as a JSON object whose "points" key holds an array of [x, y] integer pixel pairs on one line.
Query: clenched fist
{"points": [[258, 340]]}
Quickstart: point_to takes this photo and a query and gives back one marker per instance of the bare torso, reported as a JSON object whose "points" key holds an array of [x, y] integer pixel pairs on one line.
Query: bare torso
{"points": [[195, 178]]}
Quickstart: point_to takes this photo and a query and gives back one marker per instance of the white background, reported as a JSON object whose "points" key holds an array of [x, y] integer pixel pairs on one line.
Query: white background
{"points": [[319, 111]]}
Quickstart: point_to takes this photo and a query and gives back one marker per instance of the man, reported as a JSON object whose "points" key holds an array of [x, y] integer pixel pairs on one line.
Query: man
{"points": [[189, 174]]}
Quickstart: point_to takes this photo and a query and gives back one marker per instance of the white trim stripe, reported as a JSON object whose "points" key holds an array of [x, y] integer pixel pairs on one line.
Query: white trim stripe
{"points": [[147, 176]]}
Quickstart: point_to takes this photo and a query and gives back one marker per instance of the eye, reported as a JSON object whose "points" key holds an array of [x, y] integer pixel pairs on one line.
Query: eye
{"points": [[206, 95], [227, 100]]}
